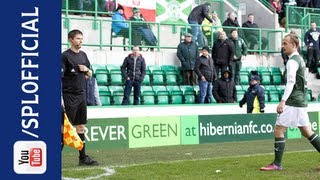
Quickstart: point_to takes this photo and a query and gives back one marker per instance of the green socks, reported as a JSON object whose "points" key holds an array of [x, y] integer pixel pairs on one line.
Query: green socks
{"points": [[279, 145], [315, 141]]}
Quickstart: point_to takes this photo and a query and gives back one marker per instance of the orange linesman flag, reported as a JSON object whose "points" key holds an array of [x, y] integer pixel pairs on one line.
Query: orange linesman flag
{"points": [[70, 135]]}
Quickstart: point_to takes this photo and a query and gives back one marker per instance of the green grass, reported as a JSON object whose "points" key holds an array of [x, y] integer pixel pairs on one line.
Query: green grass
{"points": [[236, 160]]}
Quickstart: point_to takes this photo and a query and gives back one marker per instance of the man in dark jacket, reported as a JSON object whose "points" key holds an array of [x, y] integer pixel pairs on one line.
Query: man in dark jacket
{"points": [[252, 36], [231, 21], [314, 3], [133, 70], [187, 53], [224, 89], [312, 41], [241, 50], [206, 75], [254, 96], [222, 53], [196, 18]]}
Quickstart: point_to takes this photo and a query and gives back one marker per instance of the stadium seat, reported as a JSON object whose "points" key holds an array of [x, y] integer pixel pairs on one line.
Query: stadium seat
{"points": [[262, 70], [116, 78], [157, 74], [273, 96], [175, 94], [170, 73], [270, 88], [102, 78], [116, 94], [147, 95], [244, 79], [265, 77], [238, 87], [105, 95], [100, 72], [277, 79], [113, 67], [188, 94], [240, 94], [272, 92], [245, 87], [162, 94], [99, 68], [146, 81]]}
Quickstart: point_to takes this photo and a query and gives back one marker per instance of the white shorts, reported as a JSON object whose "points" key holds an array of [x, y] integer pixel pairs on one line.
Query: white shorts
{"points": [[293, 117]]}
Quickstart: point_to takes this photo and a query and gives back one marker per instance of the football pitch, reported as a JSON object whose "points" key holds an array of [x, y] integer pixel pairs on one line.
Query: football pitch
{"points": [[232, 160]]}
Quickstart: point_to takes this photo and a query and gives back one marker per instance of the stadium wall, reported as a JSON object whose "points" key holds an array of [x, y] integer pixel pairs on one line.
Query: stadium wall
{"points": [[151, 126]]}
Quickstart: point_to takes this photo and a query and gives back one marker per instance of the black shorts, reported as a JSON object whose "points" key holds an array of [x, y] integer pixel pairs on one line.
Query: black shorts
{"points": [[76, 108]]}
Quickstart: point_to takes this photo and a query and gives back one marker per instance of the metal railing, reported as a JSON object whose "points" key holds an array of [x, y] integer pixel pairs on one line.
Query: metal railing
{"points": [[73, 8], [295, 14], [169, 35]]}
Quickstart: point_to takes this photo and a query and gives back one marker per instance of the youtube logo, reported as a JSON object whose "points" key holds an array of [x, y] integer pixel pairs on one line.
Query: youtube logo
{"points": [[30, 157]]}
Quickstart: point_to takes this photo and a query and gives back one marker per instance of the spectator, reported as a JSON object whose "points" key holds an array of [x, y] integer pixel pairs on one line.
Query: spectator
{"points": [[141, 31], [195, 19], [252, 36], [277, 5], [222, 53], [120, 27], [224, 89], [133, 70], [314, 3], [254, 96], [92, 91], [187, 53], [240, 49], [303, 3], [230, 22], [83, 5], [110, 6], [136, 36], [216, 27], [206, 75], [312, 41], [75, 70]]}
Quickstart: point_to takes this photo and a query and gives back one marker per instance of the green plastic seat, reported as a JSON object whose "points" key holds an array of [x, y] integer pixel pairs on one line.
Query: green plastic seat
{"points": [[240, 94], [188, 94], [277, 79], [116, 78], [146, 81], [162, 94], [244, 79], [99, 68], [100, 72], [102, 78], [238, 87], [105, 95], [116, 94], [147, 95], [274, 96], [175, 94], [113, 67]]}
